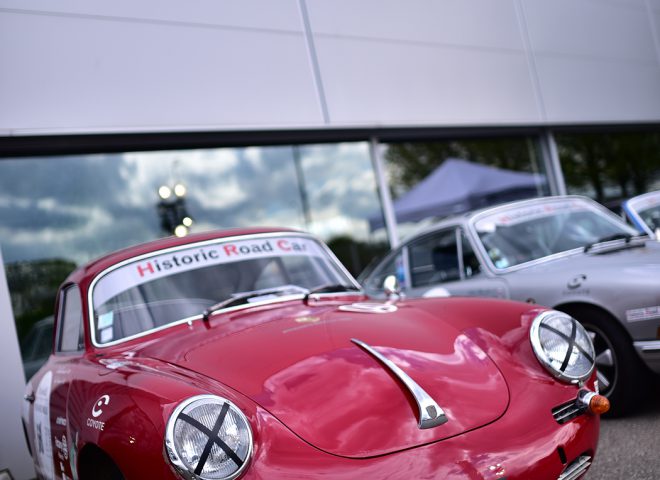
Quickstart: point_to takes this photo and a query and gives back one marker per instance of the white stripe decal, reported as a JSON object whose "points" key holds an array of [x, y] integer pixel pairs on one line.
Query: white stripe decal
{"points": [[159, 266]]}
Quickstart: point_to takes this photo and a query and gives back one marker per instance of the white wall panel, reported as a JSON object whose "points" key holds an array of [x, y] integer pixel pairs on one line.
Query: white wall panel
{"points": [[269, 15], [68, 73], [479, 23], [370, 82], [76, 66], [594, 29], [588, 91]]}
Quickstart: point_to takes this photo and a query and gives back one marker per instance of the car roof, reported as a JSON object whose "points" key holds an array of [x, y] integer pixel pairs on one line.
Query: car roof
{"points": [[96, 266], [463, 218]]}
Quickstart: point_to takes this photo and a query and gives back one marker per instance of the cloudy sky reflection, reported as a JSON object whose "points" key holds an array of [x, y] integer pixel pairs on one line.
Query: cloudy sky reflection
{"points": [[79, 207]]}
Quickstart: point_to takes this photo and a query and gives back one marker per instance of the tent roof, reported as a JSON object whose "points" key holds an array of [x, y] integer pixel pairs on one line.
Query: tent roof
{"points": [[458, 186]]}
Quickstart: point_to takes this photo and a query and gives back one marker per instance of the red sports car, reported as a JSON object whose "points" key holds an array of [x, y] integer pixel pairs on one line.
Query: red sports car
{"points": [[254, 354]]}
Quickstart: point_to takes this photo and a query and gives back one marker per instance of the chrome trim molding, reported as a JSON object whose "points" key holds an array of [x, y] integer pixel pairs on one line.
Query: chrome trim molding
{"points": [[649, 352], [430, 413], [648, 346], [576, 468]]}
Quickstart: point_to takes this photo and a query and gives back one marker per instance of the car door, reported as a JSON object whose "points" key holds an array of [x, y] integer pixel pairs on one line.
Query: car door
{"points": [[443, 263], [69, 348]]}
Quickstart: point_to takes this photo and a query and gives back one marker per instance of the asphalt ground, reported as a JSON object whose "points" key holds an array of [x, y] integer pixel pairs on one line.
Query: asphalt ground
{"points": [[629, 447]]}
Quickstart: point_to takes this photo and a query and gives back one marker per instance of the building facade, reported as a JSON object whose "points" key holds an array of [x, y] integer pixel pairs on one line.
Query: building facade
{"points": [[121, 122]]}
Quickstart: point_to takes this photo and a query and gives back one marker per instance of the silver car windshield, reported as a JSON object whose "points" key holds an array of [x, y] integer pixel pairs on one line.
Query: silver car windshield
{"points": [[175, 285], [524, 233], [647, 208]]}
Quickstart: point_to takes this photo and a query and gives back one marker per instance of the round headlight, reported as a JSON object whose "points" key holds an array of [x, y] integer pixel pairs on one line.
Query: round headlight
{"points": [[562, 346], [208, 437]]}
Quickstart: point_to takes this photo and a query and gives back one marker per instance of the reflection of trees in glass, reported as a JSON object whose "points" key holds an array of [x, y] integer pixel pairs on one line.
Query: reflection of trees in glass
{"points": [[610, 166], [33, 286], [409, 163], [356, 255]]}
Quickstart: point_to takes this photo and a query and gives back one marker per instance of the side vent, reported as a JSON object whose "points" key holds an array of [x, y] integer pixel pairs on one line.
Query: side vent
{"points": [[568, 411], [576, 468]]}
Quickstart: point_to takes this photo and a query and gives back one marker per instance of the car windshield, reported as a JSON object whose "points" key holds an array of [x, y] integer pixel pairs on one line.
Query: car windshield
{"points": [[523, 233], [647, 208], [176, 285]]}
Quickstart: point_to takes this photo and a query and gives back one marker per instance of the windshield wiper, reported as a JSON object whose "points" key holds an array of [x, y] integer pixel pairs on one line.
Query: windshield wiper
{"points": [[244, 297], [609, 238], [331, 288]]}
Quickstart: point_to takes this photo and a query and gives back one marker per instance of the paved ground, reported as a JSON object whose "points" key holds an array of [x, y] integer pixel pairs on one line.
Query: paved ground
{"points": [[629, 448]]}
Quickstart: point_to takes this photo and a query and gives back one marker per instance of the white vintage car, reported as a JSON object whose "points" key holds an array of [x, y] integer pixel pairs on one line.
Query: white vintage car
{"points": [[569, 253]]}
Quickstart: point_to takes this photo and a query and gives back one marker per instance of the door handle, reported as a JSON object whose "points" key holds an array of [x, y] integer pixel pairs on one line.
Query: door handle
{"points": [[29, 397]]}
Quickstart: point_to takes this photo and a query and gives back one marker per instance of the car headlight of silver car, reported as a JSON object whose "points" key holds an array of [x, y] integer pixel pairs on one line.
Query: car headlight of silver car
{"points": [[208, 437], [562, 346]]}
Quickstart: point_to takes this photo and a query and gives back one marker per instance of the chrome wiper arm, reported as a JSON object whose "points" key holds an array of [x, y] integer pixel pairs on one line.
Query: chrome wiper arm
{"points": [[609, 238], [332, 287], [242, 297]]}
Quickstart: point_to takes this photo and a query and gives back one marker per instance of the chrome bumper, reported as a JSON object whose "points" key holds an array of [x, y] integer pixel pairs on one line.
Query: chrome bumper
{"points": [[649, 352]]}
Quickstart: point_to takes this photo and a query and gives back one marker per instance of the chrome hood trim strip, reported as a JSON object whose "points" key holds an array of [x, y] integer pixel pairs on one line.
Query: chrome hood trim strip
{"points": [[430, 413]]}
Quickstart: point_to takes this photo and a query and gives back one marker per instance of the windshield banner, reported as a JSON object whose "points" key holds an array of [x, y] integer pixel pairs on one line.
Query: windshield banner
{"points": [[158, 266], [515, 216]]}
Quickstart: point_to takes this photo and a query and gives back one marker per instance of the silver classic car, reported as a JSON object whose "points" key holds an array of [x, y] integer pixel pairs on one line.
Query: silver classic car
{"points": [[568, 253]]}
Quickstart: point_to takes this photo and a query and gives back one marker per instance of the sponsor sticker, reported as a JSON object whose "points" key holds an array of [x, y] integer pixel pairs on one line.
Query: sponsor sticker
{"points": [[159, 266], [42, 433], [106, 320], [519, 215], [641, 314], [97, 411]]}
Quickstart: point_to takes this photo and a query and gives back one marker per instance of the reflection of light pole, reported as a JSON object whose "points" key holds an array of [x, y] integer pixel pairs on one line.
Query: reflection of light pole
{"points": [[302, 189], [174, 217]]}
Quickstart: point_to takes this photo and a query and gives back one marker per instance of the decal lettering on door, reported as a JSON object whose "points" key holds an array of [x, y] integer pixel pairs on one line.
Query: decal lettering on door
{"points": [[42, 432]]}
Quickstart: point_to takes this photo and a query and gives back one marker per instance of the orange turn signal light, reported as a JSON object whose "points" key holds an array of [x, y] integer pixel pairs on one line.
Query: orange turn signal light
{"points": [[598, 404]]}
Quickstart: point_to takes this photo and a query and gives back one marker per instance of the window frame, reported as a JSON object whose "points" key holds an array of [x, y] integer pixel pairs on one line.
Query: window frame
{"points": [[66, 291]]}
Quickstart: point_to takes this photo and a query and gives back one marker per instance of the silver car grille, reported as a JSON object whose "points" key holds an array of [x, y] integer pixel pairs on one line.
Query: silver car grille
{"points": [[576, 468]]}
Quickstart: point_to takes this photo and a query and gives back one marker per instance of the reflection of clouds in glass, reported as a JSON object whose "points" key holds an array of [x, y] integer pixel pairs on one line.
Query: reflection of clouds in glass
{"points": [[79, 207], [341, 187]]}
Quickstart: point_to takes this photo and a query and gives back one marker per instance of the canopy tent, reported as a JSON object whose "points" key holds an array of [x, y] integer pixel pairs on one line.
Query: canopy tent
{"points": [[459, 186]]}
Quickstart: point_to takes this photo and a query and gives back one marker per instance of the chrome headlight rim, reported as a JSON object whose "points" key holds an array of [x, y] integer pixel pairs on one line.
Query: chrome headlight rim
{"points": [[170, 446], [540, 351]]}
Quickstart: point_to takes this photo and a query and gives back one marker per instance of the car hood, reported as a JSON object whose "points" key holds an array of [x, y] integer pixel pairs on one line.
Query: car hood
{"points": [[299, 363], [627, 264]]}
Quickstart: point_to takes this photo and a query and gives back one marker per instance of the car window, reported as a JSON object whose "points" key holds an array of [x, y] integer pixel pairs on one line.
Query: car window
{"points": [[70, 338], [393, 266], [434, 259], [471, 265]]}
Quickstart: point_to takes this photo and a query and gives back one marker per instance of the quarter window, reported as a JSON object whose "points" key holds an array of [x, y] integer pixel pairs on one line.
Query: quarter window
{"points": [[70, 338], [434, 259]]}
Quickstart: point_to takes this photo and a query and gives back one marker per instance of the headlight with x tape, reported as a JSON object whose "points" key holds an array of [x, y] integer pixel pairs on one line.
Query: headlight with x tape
{"points": [[562, 346], [208, 438]]}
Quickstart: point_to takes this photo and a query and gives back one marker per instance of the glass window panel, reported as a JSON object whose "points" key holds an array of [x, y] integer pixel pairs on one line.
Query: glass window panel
{"points": [[471, 265], [70, 338], [431, 180], [610, 167], [59, 212], [434, 259]]}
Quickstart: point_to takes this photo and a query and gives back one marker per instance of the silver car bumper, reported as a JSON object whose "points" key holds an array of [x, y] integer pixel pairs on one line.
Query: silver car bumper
{"points": [[650, 353]]}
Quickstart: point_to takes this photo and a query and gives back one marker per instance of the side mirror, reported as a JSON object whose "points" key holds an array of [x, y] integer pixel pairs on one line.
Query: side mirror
{"points": [[391, 287]]}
